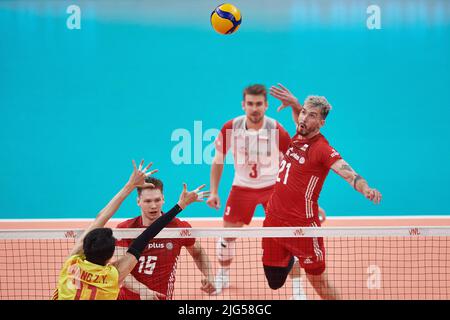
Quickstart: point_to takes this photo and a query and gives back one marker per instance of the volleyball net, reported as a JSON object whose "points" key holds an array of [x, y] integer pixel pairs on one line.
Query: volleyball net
{"points": [[400, 263]]}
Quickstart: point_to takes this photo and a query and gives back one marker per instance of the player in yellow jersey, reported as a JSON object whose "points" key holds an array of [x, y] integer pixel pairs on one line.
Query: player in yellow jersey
{"points": [[87, 274]]}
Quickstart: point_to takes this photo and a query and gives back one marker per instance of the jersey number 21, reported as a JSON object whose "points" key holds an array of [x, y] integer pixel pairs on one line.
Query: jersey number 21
{"points": [[287, 166]]}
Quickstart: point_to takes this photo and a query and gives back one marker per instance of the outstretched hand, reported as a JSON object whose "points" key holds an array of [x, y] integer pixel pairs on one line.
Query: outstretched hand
{"points": [[286, 97], [188, 197], [137, 178], [373, 195]]}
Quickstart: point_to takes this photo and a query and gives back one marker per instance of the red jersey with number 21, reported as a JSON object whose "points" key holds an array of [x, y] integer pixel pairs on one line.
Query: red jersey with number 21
{"points": [[302, 173]]}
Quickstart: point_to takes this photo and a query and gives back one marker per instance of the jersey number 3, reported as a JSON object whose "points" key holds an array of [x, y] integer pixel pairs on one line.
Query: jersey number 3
{"points": [[254, 173], [284, 165]]}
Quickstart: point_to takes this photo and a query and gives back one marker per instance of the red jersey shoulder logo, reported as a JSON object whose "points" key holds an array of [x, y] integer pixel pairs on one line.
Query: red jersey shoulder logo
{"points": [[334, 153]]}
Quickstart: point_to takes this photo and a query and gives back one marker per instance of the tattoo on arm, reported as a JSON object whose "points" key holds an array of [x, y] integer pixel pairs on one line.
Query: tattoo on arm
{"points": [[357, 178], [351, 176], [347, 172], [347, 167]]}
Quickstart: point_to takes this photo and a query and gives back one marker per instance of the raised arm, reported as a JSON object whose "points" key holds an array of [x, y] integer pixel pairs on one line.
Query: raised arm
{"points": [[343, 169], [287, 100], [137, 178]]}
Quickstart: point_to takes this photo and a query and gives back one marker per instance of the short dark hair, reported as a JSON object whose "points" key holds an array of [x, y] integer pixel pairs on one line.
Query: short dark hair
{"points": [[156, 182], [99, 245], [256, 90]]}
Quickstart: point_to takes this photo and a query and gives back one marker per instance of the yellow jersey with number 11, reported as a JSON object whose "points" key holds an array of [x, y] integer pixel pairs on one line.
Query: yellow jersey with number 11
{"points": [[80, 279]]}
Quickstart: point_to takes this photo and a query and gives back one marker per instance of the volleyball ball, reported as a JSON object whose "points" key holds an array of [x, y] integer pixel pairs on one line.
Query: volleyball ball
{"points": [[226, 19]]}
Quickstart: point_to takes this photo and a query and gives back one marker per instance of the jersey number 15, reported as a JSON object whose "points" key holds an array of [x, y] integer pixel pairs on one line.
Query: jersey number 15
{"points": [[147, 264]]}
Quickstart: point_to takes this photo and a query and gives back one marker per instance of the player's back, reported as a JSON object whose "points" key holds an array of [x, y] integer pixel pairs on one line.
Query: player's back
{"points": [[82, 280]]}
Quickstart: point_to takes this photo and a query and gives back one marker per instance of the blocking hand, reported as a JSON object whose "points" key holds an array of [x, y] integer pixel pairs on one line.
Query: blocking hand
{"points": [[188, 197], [137, 178], [286, 97]]}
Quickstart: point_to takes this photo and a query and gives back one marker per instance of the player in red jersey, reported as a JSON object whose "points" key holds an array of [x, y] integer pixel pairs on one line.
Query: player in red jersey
{"points": [[300, 179], [153, 278], [88, 272], [257, 143]]}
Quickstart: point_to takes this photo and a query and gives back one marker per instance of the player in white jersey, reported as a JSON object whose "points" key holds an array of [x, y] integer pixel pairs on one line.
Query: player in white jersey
{"points": [[257, 143]]}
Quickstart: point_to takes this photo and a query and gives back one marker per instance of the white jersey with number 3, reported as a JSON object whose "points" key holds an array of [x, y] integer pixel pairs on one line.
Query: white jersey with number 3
{"points": [[256, 153]]}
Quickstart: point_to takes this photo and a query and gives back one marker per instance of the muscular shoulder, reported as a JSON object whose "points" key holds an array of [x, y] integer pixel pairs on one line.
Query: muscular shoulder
{"points": [[325, 152], [130, 223], [322, 139], [322, 144]]}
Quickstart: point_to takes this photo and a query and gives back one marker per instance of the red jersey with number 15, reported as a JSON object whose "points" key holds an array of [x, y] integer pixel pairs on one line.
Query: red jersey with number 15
{"points": [[302, 173], [158, 263]]}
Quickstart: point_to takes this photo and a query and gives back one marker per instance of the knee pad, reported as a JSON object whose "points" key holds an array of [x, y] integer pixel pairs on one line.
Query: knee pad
{"points": [[275, 284], [225, 250], [276, 276]]}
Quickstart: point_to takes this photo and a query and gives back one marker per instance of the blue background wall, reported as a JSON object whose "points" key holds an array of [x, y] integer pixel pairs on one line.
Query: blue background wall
{"points": [[77, 105]]}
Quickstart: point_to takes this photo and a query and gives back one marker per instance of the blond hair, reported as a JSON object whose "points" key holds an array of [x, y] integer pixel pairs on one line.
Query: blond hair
{"points": [[319, 102]]}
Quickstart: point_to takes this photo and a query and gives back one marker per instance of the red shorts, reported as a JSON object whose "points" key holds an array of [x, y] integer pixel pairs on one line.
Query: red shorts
{"points": [[242, 202], [277, 252]]}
